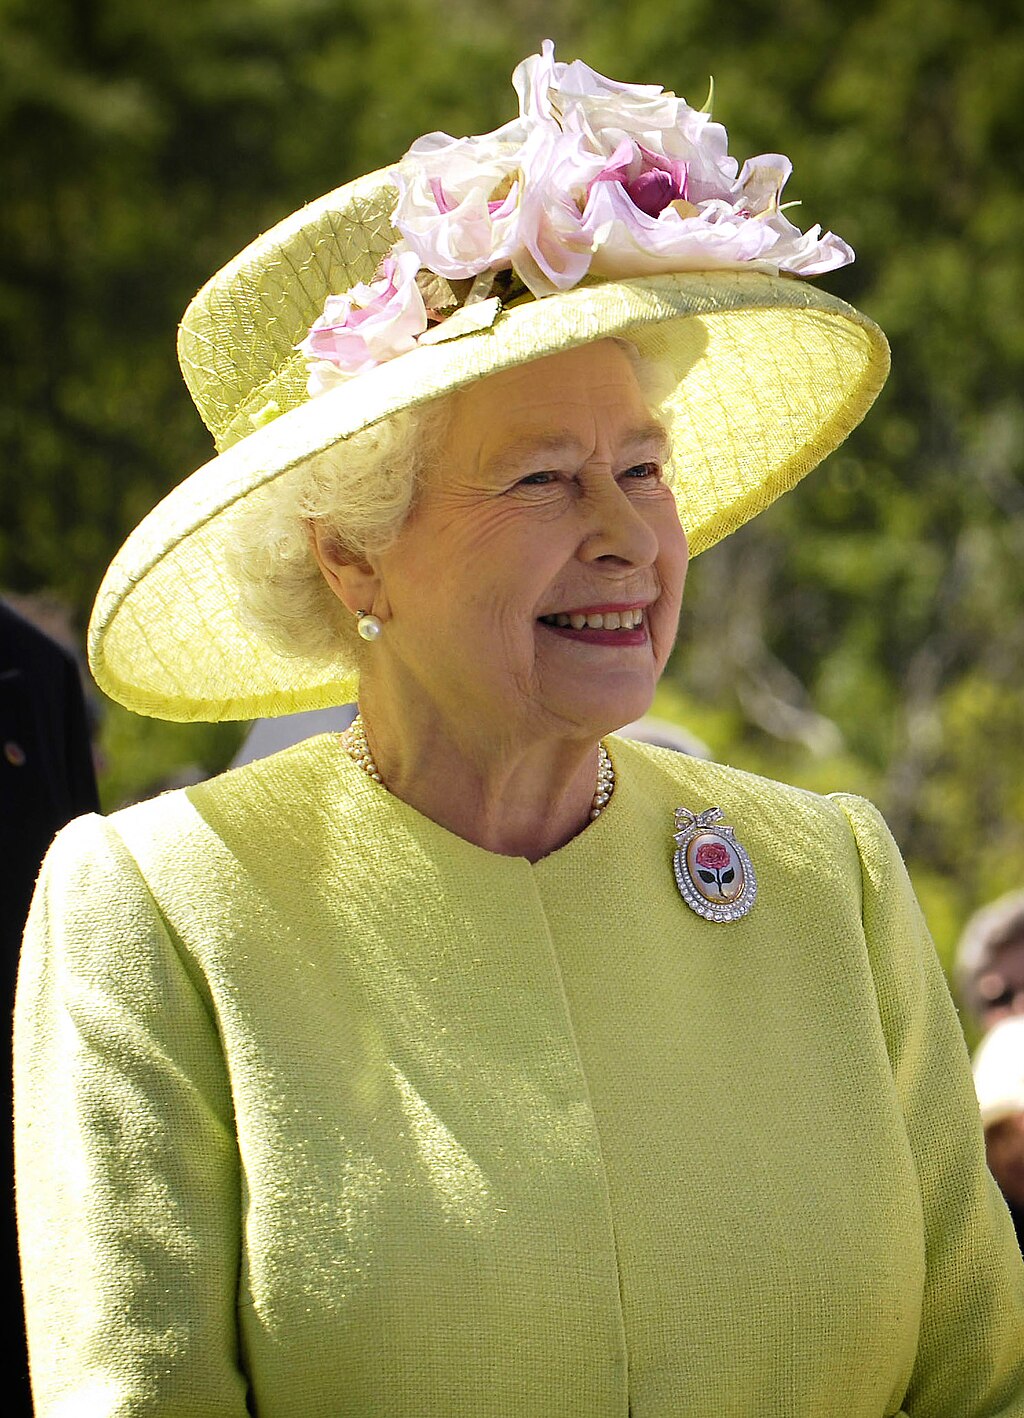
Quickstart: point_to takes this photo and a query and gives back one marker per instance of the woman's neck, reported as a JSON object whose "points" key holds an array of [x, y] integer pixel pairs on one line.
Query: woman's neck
{"points": [[523, 799]]}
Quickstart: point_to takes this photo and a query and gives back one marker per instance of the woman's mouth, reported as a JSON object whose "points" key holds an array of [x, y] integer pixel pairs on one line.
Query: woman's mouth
{"points": [[623, 625]]}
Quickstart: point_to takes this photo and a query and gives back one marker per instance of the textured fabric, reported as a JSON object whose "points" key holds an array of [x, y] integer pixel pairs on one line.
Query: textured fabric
{"points": [[770, 374], [321, 1102]]}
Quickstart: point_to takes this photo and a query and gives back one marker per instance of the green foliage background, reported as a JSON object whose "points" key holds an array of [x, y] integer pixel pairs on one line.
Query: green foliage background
{"points": [[866, 633]]}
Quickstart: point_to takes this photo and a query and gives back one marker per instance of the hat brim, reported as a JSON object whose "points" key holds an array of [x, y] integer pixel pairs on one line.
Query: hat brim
{"points": [[770, 375]]}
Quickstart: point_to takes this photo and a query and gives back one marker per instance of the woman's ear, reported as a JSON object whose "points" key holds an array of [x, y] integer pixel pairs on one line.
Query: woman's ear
{"points": [[353, 580]]}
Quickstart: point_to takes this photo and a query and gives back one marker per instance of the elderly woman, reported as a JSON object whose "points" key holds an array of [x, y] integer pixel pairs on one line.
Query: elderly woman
{"points": [[474, 1062]]}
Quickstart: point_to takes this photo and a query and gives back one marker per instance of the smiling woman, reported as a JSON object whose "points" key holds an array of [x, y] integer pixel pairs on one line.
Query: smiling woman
{"points": [[477, 1061]]}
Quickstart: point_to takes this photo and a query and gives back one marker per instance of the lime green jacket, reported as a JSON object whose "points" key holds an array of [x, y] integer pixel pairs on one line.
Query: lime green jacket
{"points": [[324, 1111]]}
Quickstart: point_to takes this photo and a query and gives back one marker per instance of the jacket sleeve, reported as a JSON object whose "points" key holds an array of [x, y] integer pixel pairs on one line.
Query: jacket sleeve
{"points": [[970, 1357], [127, 1166]]}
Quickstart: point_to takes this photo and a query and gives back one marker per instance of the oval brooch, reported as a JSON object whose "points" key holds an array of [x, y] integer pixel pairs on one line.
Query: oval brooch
{"points": [[714, 874]]}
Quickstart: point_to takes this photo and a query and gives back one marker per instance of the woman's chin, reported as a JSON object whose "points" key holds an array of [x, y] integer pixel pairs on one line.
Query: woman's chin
{"points": [[601, 709]]}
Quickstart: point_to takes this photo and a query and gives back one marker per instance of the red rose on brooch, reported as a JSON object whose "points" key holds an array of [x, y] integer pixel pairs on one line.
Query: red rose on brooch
{"points": [[713, 855], [714, 867]]}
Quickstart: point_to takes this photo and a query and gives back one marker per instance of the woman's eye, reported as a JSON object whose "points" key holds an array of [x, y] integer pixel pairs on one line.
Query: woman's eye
{"points": [[643, 470], [536, 480]]}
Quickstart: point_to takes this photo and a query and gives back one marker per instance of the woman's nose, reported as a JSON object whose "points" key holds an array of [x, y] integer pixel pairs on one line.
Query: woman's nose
{"points": [[616, 528]]}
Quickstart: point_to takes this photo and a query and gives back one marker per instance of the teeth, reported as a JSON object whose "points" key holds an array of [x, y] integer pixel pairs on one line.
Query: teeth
{"points": [[608, 620]]}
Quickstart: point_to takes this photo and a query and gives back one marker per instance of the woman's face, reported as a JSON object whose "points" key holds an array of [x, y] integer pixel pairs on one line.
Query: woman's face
{"points": [[549, 503], [1000, 988]]}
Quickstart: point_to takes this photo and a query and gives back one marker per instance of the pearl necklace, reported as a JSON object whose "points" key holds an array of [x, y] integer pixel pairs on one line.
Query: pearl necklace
{"points": [[355, 744]]}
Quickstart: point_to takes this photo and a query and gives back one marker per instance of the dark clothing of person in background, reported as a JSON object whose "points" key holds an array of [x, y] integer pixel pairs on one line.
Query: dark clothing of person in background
{"points": [[46, 779]]}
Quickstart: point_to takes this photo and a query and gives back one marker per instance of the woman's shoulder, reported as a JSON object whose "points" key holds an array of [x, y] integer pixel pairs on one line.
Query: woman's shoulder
{"points": [[779, 812], [264, 801], [670, 769]]}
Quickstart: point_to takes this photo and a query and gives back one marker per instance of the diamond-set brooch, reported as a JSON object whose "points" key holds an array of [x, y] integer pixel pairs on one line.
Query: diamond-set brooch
{"points": [[713, 872]]}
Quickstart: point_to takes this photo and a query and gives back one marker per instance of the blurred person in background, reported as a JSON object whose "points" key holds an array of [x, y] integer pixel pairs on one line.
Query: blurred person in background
{"points": [[46, 779], [988, 972], [47, 774], [988, 968], [999, 1081], [476, 1060]]}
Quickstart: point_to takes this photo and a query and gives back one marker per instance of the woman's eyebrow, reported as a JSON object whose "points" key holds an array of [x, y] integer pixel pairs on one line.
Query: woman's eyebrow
{"points": [[522, 451], [648, 435], [514, 455]]}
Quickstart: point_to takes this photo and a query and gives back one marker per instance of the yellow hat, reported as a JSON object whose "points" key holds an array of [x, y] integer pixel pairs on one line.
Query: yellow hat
{"points": [[769, 373]]}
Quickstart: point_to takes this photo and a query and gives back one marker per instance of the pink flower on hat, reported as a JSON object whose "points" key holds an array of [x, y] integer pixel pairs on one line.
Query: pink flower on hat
{"points": [[628, 241], [650, 181], [605, 111], [669, 198], [594, 178], [368, 324]]}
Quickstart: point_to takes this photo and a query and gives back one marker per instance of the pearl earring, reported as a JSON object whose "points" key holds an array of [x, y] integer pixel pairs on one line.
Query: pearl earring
{"points": [[369, 626]]}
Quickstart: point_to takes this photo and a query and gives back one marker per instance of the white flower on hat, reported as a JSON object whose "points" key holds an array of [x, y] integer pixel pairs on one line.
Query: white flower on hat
{"points": [[554, 250], [605, 111], [458, 204], [807, 253]]}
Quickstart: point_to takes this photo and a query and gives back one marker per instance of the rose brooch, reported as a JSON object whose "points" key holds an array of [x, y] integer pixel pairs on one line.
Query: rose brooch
{"points": [[714, 874]]}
